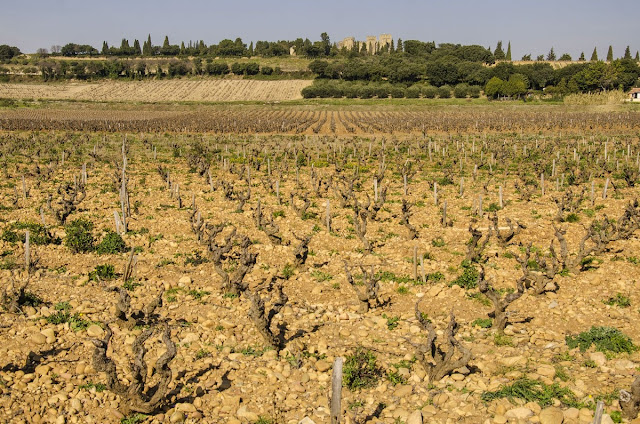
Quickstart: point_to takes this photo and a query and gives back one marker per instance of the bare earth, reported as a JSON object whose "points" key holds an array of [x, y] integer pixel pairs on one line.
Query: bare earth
{"points": [[160, 91]]}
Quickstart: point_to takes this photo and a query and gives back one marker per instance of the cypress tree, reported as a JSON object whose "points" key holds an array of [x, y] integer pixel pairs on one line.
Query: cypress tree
{"points": [[594, 55], [183, 50], [610, 54], [399, 46], [581, 59], [105, 48], [499, 53], [627, 53], [250, 52], [508, 57], [637, 56], [136, 48]]}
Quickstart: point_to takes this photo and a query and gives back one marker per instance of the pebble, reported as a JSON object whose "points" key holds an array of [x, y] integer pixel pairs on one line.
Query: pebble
{"points": [[39, 338], [185, 280], [403, 391], [306, 420], [519, 413], [323, 365], [177, 417], [243, 412]]}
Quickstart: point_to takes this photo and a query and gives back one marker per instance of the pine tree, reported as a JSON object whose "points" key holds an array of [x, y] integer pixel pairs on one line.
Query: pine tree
{"points": [[105, 48], [499, 53], [581, 59], [508, 57], [637, 56], [610, 54], [627, 53], [399, 46], [136, 48], [551, 56], [594, 55]]}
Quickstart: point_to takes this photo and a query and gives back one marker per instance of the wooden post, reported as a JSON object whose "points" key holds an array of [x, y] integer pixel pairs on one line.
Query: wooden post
{"points": [[278, 190], [500, 197], [116, 219], [542, 183], [593, 194], [435, 193], [328, 217], [415, 263], [375, 189], [336, 391], [461, 186], [480, 212], [24, 189], [597, 418], [604, 192], [27, 252], [404, 177], [424, 276], [444, 214]]}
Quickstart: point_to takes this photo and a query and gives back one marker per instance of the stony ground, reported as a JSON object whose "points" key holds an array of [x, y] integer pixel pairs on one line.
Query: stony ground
{"points": [[225, 373]]}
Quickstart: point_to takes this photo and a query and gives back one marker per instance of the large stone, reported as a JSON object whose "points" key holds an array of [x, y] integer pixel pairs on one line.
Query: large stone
{"points": [[551, 415], [306, 420], [598, 358], [95, 331], [403, 391], [546, 370], [519, 413], [415, 418], [244, 412]]}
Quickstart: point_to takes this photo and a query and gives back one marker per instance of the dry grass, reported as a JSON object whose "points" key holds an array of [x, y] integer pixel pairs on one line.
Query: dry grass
{"points": [[202, 90]]}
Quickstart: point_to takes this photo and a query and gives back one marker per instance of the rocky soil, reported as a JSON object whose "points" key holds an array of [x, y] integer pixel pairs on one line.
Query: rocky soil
{"points": [[225, 372]]}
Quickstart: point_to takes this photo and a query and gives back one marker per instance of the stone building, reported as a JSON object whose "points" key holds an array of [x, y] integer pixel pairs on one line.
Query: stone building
{"points": [[372, 43]]}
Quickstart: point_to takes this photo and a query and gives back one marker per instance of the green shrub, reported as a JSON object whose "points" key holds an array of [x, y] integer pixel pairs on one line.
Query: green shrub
{"points": [[38, 234], [534, 391], [103, 272], [111, 243], [483, 322], [429, 92], [572, 217], [468, 279], [444, 92], [461, 90], [618, 300], [605, 339], [360, 370], [79, 236]]}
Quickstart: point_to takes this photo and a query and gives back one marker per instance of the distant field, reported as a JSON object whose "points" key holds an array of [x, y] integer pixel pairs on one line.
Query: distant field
{"points": [[204, 90]]}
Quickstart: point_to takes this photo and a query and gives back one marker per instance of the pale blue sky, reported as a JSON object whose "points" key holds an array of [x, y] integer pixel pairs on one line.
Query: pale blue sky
{"points": [[532, 26]]}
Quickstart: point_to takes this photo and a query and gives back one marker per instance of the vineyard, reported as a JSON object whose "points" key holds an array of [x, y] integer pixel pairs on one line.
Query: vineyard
{"points": [[310, 120], [202, 90], [472, 265]]}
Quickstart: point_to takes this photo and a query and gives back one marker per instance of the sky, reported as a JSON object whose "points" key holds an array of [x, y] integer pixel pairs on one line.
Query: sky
{"points": [[569, 26]]}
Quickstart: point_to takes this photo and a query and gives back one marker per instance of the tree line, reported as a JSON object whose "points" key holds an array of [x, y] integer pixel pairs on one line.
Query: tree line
{"points": [[52, 70]]}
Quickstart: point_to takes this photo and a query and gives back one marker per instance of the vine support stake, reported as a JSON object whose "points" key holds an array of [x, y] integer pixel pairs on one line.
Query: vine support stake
{"points": [[336, 391]]}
